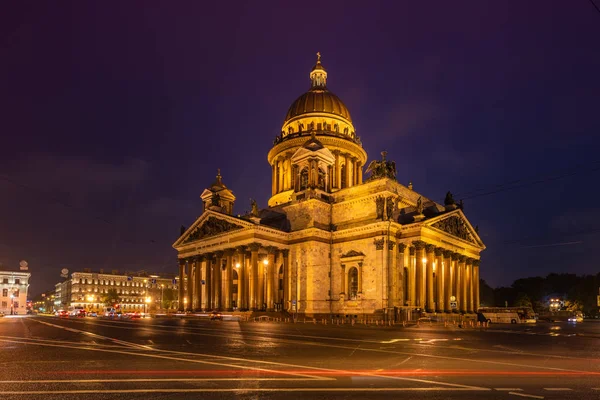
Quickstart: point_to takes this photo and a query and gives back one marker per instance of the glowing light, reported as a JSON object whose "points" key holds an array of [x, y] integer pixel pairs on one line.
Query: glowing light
{"points": [[424, 260], [266, 262], [149, 299], [237, 265]]}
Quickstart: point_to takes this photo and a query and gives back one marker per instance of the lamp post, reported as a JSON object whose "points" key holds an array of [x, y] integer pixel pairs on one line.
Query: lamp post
{"points": [[12, 303], [147, 301], [162, 286]]}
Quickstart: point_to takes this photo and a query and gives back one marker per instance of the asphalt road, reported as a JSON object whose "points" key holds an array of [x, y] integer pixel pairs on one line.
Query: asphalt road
{"points": [[94, 358]]}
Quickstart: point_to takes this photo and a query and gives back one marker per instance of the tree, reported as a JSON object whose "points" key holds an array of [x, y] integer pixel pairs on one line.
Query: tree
{"points": [[168, 297], [111, 297], [486, 294], [523, 300]]}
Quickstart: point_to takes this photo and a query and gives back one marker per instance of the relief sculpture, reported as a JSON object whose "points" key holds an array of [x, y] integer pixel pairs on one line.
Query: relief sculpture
{"points": [[455, 226], [212, 226]]}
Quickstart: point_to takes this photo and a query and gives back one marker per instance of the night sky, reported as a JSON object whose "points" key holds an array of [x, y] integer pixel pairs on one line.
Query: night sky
{"points": [[115, 116]]}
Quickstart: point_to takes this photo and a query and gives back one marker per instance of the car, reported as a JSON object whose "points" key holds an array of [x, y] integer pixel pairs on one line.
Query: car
{"points": [[62, 314], [92, 314], [215, 315], [80, 313]]}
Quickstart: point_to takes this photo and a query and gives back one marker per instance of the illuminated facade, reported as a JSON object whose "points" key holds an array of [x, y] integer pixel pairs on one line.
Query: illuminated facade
{"points": [[13, 292], [138, 292], [330, 241]]}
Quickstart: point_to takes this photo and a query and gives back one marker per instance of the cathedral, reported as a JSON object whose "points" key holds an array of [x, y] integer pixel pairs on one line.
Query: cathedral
{"points": [[331, 241]]}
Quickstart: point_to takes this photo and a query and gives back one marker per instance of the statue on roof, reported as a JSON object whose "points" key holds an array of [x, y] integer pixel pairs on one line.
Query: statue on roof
{"points": [[382, 169], [419, 205], [216, 200], [449, 200], [254, 205]]}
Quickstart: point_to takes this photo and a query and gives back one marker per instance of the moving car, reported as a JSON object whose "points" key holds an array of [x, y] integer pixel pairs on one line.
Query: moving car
{"points": [[215, 315], [62, 314]]}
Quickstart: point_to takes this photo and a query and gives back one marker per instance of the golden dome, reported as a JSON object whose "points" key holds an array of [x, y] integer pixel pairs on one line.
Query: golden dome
{"points": [[318, 100], [318, 110]]}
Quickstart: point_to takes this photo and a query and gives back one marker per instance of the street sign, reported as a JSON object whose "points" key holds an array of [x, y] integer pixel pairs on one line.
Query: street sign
{"points": [[453, 305]]}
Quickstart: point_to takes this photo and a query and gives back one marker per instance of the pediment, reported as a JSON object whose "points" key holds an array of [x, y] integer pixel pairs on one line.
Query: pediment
{"points": [[353, 253], [456, 224], [206, 227]]}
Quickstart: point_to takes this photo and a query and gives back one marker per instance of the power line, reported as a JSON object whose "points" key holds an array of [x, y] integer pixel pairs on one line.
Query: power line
{"points": [[595, 6], [522, 183]]}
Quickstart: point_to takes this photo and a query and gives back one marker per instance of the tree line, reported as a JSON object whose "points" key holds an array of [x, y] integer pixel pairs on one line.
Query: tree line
{"points": [[579, 293]]}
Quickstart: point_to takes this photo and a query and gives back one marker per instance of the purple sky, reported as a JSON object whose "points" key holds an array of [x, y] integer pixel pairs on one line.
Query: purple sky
{"points": [[116, 117]]}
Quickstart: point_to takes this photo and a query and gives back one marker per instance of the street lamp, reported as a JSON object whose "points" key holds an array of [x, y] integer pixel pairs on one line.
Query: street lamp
{"points": [[162, 286], [147, 301]]}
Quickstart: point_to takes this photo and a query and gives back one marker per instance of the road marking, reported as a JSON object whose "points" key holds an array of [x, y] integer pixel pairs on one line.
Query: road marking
{"points": [[267, 338], [526, 395], [128, 344], [151, 355], [248, 389], [558, 389], [508, 389], [155, 354], [82, 381]]}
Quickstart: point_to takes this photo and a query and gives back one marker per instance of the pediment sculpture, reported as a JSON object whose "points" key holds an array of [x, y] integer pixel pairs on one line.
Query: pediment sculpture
{"points": [[455, 226], [212, 226]]}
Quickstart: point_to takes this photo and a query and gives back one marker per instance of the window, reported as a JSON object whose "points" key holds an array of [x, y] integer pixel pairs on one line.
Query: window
{"points": [[344, 172], [15, 304], [4, 292], [5, 280], [4, 304], [16, 293], [17, 281], [321, 180], [352, 283]]}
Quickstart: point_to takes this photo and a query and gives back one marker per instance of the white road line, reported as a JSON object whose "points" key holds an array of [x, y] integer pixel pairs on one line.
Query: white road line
{"points": [[62, 341], [558, 389], [176, 359], [470, 360], [83, 381], [526, 395], [508, 389], [155, 354], [124, 343], [249, 389]]}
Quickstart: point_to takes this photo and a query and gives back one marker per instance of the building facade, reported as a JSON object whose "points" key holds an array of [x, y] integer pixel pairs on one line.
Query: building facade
{"points": [[133, 292], [13, 292], [330, 241]]}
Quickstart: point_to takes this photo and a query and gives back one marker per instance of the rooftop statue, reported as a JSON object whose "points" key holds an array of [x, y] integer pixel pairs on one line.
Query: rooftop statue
{"points": [[382, 169]]}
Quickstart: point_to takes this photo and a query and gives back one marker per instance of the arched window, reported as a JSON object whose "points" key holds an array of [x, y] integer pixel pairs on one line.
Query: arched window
{"points": [[353, 283], [304, 178], [343, 176], [235, 278]]}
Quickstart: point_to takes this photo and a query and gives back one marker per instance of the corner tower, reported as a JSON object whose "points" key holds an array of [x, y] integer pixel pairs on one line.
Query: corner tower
{"points": [[317, 116]]}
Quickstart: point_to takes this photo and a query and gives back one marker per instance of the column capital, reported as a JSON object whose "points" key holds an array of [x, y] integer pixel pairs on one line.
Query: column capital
{"points": [[401, 247], [391, 245], [419, 244], [461, 258], [219, 254], [271, 249], [378, 244], [241, 249], [202, 257], [476, 263], [469, 261], [285, 252], [455, 255], [438, 251], [411, 251], [430, 248], [254, 247], [181, 262], [447, 253], [229, 252]]}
